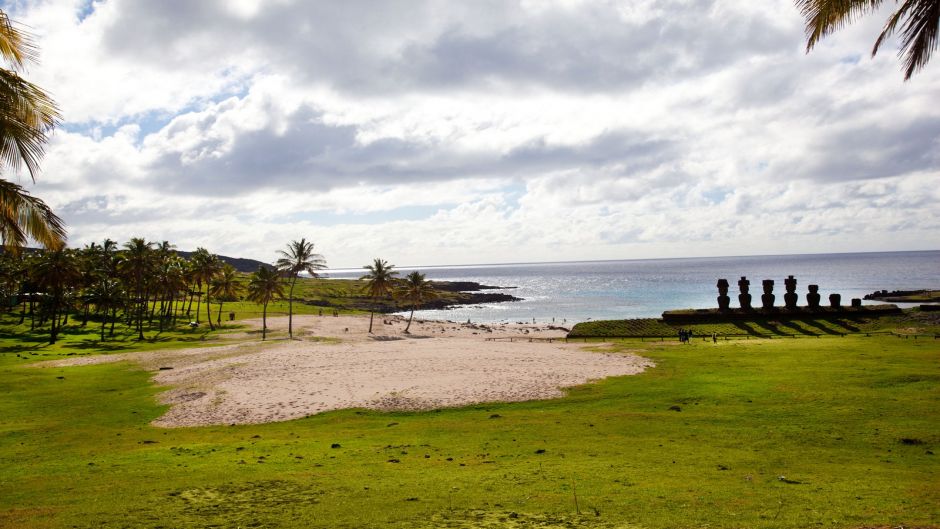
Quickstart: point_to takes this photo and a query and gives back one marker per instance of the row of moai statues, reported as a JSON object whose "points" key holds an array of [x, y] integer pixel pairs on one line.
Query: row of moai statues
{"points": [[767, 298]]}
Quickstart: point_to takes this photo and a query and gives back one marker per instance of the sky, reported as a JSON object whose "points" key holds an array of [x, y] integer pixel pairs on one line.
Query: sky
{"points": [[442, 132]]}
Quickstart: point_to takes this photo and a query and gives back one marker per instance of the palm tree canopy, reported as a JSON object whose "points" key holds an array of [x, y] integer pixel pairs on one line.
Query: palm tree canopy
{"points": [[225, 285], [265, 286], [23, 216], [27, 117], [299, 257], [415, 289], [205, 265], [27, 113], [380, 279], [57, 269], [917, 20]]}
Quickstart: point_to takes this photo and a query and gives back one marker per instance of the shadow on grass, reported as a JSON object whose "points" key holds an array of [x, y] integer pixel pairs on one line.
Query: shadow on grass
{"points": [[747, 328], [101, 346], [847, 324], [822, 328], [797, 329]]}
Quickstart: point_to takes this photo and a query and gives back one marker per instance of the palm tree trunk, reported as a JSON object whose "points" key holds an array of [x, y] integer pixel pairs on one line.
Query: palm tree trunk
{"points": [[198, 302], [290, 309], [409, 319], [219, 319], [192, 292], [208, 309], [264, 322], [371, 315], [162, 309], [52, 329], [104, 321]]}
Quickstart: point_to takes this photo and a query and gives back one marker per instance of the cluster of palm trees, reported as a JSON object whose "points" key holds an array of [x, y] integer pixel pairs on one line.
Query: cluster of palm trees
{"points": [[149, 285], [140, 283], [381, 282]]}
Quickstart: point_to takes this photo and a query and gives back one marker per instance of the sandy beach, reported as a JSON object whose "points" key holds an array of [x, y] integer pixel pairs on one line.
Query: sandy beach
{"points": [[333, 363]]}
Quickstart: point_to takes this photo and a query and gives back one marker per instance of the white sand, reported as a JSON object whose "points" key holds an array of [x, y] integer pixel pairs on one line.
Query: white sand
{"points": [[438, 365]]}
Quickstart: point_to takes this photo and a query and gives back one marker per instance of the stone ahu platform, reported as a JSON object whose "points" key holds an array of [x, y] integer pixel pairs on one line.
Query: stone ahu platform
{"points": [[691, 316], [767, 310]]}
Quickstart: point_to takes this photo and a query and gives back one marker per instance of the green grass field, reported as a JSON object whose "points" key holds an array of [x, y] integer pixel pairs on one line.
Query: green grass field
{"points": [[828, 432]]}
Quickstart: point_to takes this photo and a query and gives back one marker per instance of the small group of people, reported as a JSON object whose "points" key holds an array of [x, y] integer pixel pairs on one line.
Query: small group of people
{"points": [[686, 334]]}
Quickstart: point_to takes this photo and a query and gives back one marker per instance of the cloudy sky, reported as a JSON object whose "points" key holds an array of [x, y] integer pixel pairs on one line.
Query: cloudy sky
{"points": [[442, 132]]}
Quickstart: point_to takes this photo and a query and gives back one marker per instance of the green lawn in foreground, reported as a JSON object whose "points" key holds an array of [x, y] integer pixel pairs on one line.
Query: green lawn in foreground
{"points": [[828, 432]]}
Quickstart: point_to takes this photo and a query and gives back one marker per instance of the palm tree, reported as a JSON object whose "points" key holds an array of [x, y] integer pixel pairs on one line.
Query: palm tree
{"points": [[204, 267], [106, 294], [918, 20], [136, 263], [265, 286], [225, 286], [415, 289], [379, 283], [27, 117], [298, 258], [56, 271]]}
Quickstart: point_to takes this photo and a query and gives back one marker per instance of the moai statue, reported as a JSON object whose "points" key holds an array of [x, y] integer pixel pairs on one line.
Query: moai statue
{"points": [[744, 298], [812, 299], [791, 297], [856, 302], [835, 300], [724, 302], [767, 299]]}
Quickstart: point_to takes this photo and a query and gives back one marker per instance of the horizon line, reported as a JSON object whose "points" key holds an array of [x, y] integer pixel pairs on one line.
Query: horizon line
{"points": [[520, 263]]}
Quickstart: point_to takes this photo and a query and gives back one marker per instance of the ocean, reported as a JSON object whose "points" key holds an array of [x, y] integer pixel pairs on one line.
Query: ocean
{"points": [[570, 292]]}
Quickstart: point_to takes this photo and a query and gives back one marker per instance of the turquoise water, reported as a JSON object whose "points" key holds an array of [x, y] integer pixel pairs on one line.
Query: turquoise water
{"points": [[580, 291]]}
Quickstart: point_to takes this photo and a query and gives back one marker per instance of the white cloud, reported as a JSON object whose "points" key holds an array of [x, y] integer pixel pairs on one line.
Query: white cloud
{"points": [[489, 131]]}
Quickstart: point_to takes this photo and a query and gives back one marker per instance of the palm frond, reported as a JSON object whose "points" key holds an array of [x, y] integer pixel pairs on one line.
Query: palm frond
{"points": [[23, 216], [826, 16], [27, 116], [918, 35], [16, 47]]}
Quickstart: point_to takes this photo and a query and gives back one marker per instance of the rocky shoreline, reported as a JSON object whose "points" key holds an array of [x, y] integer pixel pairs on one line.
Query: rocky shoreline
{"points": [[452, 294], [906, 296]]}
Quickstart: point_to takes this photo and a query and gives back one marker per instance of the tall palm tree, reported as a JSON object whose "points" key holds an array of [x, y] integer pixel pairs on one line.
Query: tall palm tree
{"points": [[225, 286], [918, 21], [298, 257], [265, 286], [379, 283], [56, 271], [207, 268], [106, 295], [27, 117], [204, 267], [415, 289], [137, 263]]}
